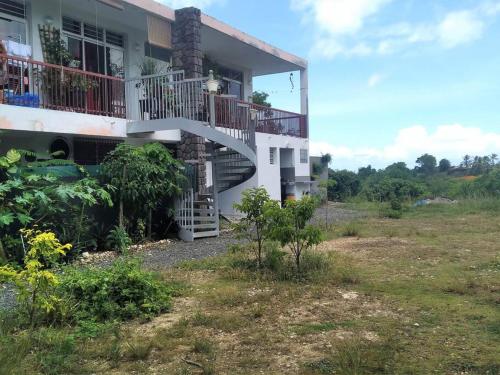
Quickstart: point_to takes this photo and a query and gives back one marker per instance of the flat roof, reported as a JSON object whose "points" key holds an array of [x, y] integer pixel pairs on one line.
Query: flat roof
{"points": [[164, 11]]}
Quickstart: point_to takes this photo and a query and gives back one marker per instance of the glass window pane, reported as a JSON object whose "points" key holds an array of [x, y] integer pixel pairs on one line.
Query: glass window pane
{"points": [[114, 59], [75, 49], [94, 58], [12, 30]]}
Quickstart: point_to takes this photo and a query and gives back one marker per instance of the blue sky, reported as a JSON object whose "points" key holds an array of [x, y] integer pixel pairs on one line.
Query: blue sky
{"points": [[389, 79]]}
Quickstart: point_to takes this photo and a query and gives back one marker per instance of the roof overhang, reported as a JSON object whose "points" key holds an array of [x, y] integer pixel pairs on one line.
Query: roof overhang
{"points": [[222, 40]]}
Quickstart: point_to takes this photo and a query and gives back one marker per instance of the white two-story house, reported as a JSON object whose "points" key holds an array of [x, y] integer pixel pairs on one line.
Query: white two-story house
{"points": [[80, 76]]}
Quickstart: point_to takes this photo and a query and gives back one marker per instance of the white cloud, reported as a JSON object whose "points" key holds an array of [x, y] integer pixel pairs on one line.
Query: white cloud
{"points": [[341, 27], [374, 80], [177, 4], [447, 141], [459, 28], [339, 16]]}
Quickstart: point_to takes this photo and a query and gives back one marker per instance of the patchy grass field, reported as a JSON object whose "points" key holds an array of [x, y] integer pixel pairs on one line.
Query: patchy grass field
{"points": [[419, 295]]}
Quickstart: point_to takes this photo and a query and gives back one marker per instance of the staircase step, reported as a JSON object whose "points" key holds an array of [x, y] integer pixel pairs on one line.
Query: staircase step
{"points": [[203, 210], [205, 226], [226, 152], [237, 162], [236, 177], [205, 218], [205, 203], [233, 170], [205, 196], [212, 233]]}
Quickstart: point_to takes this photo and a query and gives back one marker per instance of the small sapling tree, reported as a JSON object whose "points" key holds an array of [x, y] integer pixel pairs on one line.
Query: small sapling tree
{"points": [[289, 225], [255, 225]]}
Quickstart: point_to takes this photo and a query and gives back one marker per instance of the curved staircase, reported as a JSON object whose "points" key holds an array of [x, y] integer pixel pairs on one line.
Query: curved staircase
{"points": [[170, 102]]}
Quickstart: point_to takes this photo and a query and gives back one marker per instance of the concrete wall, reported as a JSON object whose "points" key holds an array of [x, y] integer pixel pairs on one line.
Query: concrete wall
{"points": [[35, 120], [268, 175]]}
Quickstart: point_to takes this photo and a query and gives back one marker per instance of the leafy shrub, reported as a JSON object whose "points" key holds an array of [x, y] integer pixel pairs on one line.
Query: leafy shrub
{"points": [[35, 282], [122, 291], [118, 239], [32, 193]]}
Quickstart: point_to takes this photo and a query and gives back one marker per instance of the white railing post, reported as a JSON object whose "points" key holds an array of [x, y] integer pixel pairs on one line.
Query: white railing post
{"points": [[191, 193]]}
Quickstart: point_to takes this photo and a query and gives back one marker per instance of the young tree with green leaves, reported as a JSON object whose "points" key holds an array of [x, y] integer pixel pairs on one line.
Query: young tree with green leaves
{"points": [[254, 226], [142, 177], [289, 225]]}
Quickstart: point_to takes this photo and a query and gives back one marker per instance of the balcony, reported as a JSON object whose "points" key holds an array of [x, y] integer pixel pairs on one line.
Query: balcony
{"points": [[36, 84]]}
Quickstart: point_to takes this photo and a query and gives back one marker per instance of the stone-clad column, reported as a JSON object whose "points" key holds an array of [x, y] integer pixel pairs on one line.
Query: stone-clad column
{"points": [[187, 56]]}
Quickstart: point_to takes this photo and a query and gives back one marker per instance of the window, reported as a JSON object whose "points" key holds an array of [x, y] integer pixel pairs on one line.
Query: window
{"points": [[94, 49], [12, 8], [12, 21], [272, 155], [158, 53], [304, 156]]}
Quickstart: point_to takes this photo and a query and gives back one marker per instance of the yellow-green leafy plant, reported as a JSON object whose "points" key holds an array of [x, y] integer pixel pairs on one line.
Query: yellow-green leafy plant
{"points": [[35, 282]]}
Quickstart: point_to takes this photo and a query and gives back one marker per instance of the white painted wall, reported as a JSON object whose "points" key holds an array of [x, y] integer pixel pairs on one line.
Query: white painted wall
{"points": [[268, 175]]}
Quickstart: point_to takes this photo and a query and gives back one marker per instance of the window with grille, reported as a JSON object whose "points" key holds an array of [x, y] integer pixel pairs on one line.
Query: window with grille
{"points": [[12, 8], [92, 32], [304, 156], [272, 155], [72, 26]]}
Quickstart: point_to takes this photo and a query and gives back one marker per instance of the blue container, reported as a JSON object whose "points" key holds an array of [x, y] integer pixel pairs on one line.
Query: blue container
{"points": [[25, 100]]}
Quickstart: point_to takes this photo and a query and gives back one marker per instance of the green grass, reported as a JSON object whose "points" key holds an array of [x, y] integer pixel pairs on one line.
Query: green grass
{"points": [[426, 301]]}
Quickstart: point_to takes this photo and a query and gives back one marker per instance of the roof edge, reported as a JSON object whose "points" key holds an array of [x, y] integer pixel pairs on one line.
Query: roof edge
{"points": [[251, 40], [164, 11]]}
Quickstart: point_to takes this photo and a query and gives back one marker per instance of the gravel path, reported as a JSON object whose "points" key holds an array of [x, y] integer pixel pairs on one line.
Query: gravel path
{"points": [[179, 251], [167, 255]]}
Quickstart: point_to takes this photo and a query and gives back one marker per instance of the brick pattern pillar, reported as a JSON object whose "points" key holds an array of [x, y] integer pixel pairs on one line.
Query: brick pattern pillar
{"points": [[187, 56]]}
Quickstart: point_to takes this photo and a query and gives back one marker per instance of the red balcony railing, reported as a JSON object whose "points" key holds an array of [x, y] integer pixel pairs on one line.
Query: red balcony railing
{"points": [[269, 120], [36, 84], [276, 121]]}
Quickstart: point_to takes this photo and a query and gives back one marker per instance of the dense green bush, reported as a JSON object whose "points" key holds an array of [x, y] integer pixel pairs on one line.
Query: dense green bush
{"points": [[386, 189], [121, 291], [31, 195], [347, 185]]}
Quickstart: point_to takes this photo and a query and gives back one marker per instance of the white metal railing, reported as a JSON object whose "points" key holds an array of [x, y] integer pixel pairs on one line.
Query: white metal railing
{"points": [[164, 96], [184, 211], [172, 96]]}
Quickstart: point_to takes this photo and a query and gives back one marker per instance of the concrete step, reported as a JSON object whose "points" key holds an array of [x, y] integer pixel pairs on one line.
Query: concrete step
{"points": [[237, 162], [204, 226], [236, 177], [212, 233], [233, 170]]}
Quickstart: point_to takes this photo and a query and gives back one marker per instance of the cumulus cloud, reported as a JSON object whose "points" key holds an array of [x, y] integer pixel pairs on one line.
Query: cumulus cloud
{"points": [[447, 141], [339, 16], [374, 80], [460, 27], [341, 29], [177, 4]]}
